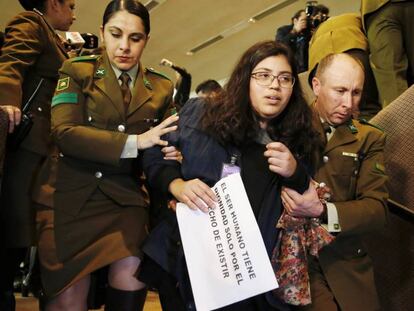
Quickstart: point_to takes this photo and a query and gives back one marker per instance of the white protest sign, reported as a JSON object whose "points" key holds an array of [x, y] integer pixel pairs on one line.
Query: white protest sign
{"points": [[225, 253]]}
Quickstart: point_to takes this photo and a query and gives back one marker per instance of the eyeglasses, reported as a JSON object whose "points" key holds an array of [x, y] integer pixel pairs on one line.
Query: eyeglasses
{"points": [[263, 78]]}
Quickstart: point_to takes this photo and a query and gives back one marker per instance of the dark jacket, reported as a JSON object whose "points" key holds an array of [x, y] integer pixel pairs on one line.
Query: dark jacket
{"points": [[203, 158], [183, 87], [298, 43]]}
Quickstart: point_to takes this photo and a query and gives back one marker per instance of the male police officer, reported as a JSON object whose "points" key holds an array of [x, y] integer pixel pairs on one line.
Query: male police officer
{"points": [[353, 168]]}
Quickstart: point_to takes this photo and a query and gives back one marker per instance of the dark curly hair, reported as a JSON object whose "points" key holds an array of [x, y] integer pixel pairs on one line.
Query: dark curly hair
{"points": [[231, 119]]}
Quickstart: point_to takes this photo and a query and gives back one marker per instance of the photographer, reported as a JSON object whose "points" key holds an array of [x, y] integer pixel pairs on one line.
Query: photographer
{"points": [[298, 34]]}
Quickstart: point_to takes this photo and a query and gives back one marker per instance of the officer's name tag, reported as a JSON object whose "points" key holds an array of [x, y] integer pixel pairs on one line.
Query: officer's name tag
{"points": [[350, 154], [229, 169]]}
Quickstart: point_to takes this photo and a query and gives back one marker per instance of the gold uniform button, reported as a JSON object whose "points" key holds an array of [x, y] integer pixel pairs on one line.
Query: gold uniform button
{"points": [[121, 128], [98, 175], [39, 109], [325, 159]]}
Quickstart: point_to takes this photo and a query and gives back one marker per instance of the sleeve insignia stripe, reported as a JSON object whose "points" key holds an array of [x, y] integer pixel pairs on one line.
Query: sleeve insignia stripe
{"points": [[65, 98]]}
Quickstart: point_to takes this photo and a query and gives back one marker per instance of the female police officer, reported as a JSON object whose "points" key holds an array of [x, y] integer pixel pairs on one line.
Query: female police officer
{"points": [[102, 113], [32, 51]]}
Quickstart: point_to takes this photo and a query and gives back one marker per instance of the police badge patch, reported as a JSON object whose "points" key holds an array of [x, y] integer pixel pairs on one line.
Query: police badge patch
{"points": [[100, 73], [62, 84]]}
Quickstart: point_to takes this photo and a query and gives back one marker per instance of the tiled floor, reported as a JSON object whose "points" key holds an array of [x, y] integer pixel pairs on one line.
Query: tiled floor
{"points": [[30, 304]]}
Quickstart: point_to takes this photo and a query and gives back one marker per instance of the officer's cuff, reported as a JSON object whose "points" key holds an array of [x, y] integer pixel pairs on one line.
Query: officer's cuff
{"points": [[130, 149], [333, 219]]}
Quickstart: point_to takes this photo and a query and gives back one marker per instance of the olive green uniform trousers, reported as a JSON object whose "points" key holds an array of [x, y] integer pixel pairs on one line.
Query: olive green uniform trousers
{"points": [[390, 32]]}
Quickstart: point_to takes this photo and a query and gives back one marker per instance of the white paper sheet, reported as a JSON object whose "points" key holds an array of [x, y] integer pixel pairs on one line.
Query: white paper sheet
{"points": [[226, 257]]}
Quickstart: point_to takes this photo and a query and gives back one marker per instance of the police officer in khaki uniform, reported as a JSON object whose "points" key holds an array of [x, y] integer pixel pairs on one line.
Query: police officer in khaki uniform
{"points": [[93, 210], [389, 25], [32, 51], [353, 168]]}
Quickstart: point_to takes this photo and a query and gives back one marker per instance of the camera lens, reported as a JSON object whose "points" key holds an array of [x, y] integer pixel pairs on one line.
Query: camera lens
{"points": [[316, 22]]}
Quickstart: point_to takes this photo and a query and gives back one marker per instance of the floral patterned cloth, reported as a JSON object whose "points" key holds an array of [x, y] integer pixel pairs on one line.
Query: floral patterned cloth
{"points": [[298, 237]]}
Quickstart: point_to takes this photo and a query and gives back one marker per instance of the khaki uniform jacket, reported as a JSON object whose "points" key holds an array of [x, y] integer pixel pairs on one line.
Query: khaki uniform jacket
{"points": [[32, 51], [90, 127], [354, 170]]}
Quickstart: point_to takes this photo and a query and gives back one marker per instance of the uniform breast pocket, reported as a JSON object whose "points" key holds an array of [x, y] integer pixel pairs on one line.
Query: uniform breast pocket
{"points": [[345, 176]]}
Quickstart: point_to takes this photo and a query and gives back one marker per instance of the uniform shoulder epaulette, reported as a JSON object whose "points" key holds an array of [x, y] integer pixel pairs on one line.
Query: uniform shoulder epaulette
{"points": [[85, 58], [152, 70], [365, 122]]}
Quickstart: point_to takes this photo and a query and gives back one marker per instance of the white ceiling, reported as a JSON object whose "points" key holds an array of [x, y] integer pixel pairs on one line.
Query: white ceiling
{"points": [[177, 26]]}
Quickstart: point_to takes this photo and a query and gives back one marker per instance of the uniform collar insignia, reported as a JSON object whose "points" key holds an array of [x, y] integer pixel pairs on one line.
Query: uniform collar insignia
{"points": [[100, 72], [352, 127], [147, 84]]}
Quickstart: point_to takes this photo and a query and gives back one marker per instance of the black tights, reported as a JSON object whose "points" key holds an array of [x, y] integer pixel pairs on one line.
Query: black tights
{"points": [[10, 258], [123, 300], [123, 286]]}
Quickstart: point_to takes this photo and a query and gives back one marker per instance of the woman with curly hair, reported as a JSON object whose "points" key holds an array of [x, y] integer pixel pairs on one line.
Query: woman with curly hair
{"points": [[261, 123]]}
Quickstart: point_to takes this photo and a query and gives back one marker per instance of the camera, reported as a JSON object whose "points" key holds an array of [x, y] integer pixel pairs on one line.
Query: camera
{"points": [[91, 40], [315, 14], [75, 42]]}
